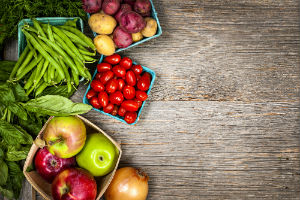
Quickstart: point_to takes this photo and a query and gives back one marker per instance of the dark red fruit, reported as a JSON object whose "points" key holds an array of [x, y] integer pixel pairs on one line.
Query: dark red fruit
{"points": [[97, 85], [130, 78], [128, 92], [106, 76], [121, 84], [103, 99], [109, 108], [103, 67], [130, 117], [112, 86], [114, 112], [130, 105], [126, 63], [116, 98], [94, 101], [119, 71], [91, 93], [121, 111], [137, 69], [113, 59], [141, 95]]}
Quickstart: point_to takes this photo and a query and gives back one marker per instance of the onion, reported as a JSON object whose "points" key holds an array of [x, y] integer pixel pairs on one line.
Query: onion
{"points": [[128, 184]]}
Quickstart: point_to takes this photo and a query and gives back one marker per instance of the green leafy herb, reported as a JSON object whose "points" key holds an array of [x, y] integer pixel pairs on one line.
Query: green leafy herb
{"points": [[16, 178], [3, 172], [16, 154], [7, 192], [56, 106]]}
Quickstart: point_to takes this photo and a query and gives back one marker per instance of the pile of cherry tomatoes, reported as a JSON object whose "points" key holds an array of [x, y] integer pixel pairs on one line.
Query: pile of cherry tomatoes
{"points": [[119, 87]]}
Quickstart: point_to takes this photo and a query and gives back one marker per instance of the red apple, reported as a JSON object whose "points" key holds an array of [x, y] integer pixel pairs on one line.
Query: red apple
{"points": [[65, 136], [74, 184], [48, 165]]}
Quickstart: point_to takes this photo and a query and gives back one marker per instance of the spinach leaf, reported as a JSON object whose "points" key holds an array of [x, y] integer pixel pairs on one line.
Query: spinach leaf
{"points": [[7, 192], [61, 90], [56, 105], [13, 134], [15, 154], [3, 172]]}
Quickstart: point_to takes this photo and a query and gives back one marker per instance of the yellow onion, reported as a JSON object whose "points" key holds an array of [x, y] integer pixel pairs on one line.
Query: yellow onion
{"points": [[128, 184]]}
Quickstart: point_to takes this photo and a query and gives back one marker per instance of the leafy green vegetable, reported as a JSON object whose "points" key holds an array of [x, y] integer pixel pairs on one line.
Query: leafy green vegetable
{"points": [[12, 11], [3, 172], [56, 106], [7, 192], [61, 90], [16, 154], [16, 178], [5, 69]]}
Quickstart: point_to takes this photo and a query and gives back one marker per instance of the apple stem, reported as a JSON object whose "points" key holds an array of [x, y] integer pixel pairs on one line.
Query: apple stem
{"points": [[55, 141]]}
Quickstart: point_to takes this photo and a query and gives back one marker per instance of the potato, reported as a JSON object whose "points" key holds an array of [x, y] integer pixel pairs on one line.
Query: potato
{"points": [[150, 28], [111, 7], [121, 38], [132, 22], [102, 23], [124, 8], [104, 45], [136, 36]]}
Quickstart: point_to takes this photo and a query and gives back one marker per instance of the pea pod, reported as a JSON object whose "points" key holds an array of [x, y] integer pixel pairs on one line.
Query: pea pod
{"points": [[81, 35], [44, 53], [19, 62]]}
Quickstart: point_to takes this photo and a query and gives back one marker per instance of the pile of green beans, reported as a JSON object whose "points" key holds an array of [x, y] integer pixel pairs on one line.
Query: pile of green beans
{"points": [[53, 55]]}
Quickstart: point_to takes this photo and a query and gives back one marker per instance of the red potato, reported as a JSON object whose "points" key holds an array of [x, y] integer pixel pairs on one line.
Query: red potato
{"points": [[91, 6], [121, 38], [132, 22], [130, 2], [124, 8], [110, 7], [143, 7]]}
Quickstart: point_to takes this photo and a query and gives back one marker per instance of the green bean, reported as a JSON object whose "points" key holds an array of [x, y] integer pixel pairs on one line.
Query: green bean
{"points": [[62, 52], [45, 76], [32, 49], [68, 42], [68, 79], [39, 68], [41, 88], [44, 54], [75, 78], [39, 76], [25, 63], [29, 67], [47, 48], [52, 73], [87, 53], [20, 60], [30, 80], [88, 74], [50, 33], [80, 68], [81, 35], [65, 47], [31, 29], [38, 27], [89, 59], [74, 38]]}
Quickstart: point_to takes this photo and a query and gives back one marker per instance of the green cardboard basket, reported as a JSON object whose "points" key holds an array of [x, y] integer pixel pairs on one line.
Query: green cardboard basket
{"points": [[51, 20]]}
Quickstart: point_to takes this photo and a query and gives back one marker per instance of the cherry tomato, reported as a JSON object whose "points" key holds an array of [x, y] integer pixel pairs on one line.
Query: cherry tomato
{"points": [[130, 117], [94, 101], [138, 101], [146, 74], [116, 98], [103, 99], [121, 83], [91, 93], [114, 112], [113, 59], [141, 95], [137, 69], [138, 77], [128, 92], [103, 67], [119, 71], [121, 111], [112, 86], [144, 83], [98, 76], [97, 85], [130, 105], [130, 78], [126, 63], [106, 76], [109, 108]]}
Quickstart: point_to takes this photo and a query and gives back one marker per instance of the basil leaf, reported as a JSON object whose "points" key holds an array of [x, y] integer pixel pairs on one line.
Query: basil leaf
{"points": [[18, 110], [19, 92], [3, 172], [33, 124], [61, 90], [13, 154], [56, 105], [15, 178], [13, 134], [7, 193], [6, 94]]}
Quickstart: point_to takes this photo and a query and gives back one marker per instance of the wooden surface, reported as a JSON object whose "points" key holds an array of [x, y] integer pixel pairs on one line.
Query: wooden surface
{"points": [[222, 121]]}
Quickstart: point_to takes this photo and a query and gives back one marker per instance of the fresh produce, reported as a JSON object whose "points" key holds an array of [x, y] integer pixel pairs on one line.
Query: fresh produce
{"points": [[150, 28], [99, 155], [65, 136], [128, 184], [119, 88], [104, 44], [91, 6], [124, 8], [48, 165], [102, 23], [136, 36], [122, 39], [12, 12], [74, 183], [130, 2], [143, 7], [110, 7], [52, 59], [132, 22]]}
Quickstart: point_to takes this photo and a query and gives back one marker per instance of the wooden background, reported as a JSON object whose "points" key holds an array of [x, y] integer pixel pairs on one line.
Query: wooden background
{"points": [[222, 121]]}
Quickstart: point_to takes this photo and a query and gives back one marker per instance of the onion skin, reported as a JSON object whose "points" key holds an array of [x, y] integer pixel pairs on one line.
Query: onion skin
{"points": [[128, 184]]}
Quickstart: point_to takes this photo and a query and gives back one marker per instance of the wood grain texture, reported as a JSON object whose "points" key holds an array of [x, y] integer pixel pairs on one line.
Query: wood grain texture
{"points": [[223, 120]]}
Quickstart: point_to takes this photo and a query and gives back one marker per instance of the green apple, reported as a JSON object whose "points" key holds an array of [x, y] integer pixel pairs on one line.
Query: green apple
{"points": [[99, 155]]}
